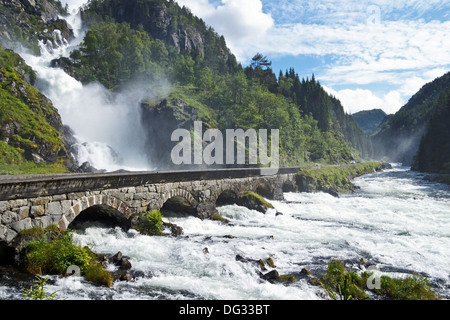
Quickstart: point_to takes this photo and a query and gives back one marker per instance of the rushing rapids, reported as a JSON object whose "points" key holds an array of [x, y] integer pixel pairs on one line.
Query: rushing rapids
{"points": [[397, 222]]}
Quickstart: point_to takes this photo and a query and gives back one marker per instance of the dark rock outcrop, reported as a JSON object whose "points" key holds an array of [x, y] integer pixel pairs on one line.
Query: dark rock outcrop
{"points": [[160, 120], [28, 21]]}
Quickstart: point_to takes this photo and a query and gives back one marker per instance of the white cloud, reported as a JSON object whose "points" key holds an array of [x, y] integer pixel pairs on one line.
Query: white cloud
{"points": [[400, 50], [242, 23], [363, 99], [354, 100]]}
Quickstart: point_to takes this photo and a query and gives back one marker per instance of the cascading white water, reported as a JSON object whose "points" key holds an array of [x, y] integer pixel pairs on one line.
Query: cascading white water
{"points": [[107, 126], [397, 222]]}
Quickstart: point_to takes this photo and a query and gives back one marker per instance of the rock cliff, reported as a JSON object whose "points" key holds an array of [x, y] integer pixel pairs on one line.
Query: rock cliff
{"points": [[25, 22]]}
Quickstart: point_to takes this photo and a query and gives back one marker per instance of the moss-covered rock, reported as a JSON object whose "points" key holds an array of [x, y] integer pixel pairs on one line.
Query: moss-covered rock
{"points": [[254, 201], [30, 126]]}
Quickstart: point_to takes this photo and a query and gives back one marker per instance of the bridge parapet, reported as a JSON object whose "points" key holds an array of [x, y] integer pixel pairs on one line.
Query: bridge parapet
{"points": [[41, 201]]}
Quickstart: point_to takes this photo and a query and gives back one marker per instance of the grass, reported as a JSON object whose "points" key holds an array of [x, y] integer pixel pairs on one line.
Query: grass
{"points": [[349, 285], [20, 166], [337, 178], [25, 109]]}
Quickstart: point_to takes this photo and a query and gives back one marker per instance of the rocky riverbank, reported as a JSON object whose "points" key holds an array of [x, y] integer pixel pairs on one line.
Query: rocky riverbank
{"points": [[335, 179]]}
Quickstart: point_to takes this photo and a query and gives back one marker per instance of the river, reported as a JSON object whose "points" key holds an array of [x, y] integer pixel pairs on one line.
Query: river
{"points": [[397, 221]]}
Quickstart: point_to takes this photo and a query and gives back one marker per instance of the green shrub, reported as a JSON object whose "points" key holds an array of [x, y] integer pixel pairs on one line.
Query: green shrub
{"points": [[346, 284], [57, 255], [97, 274], [351, 285], [150, 223], [38, 290], [409, 288]]}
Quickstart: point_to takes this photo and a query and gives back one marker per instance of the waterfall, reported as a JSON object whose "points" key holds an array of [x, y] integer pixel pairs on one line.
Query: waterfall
{"points": [[107, 126]]}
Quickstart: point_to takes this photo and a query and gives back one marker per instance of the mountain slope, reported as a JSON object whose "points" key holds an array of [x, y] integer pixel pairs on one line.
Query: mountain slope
{"points": [[30, 127], [398, 137], [434, 149], [157, 39], [369, 120], [176, 26], [25, 22]]}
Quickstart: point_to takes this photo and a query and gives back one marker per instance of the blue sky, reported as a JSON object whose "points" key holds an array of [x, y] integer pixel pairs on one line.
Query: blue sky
{"points": [[369, 54]]}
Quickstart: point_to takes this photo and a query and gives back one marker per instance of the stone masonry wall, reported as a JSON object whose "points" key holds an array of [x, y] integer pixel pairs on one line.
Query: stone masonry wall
{"points": [[61, 209]]}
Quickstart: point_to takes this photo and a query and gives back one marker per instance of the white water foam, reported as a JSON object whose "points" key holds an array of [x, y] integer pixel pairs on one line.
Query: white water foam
{"points": [[102, 121]]}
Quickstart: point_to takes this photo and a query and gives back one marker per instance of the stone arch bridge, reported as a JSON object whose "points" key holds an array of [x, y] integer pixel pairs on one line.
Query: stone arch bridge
{"points": [[41, 201]]}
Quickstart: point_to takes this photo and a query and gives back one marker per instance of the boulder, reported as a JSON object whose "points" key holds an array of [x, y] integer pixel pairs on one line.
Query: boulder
{"points": [[175, 230]]}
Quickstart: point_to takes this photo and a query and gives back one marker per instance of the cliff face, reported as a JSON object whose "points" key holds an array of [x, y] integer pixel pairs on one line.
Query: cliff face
{"points": [[167, 21], [25, 22]]}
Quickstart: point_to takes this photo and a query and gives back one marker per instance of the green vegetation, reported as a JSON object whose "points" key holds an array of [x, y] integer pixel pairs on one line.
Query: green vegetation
{"points": [[29, 167], [253, 199], [349, 285], [56, 255], [118, 54], [333, 178], [29, 138], [369, 120], [38, 290], [398, 137], [434, 149], [150, 223]]}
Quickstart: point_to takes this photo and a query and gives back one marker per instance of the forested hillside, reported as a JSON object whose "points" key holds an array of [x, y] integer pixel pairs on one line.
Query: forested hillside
{"points": [[434, 149], [369, 120], [160, 40], [398, 137]]}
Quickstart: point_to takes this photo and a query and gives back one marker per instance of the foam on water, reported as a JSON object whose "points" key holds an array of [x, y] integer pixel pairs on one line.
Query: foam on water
{"points": [[102, 121], [381, 223]]}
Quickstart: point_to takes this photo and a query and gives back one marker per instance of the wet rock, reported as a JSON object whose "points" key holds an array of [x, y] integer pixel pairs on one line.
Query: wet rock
{"points": [[271, 275], [121, 261], [175, 230], [115, 259], [125, 277], [305, 272], [125, 264]]}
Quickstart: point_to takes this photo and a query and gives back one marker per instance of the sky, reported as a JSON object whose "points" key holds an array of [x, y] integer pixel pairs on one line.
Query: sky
{"points": [[369, 54]]}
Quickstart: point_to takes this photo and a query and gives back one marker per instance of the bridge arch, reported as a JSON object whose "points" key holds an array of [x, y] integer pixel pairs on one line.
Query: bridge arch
{"points": [[177, 201], [110, 205], [100, 214]]}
